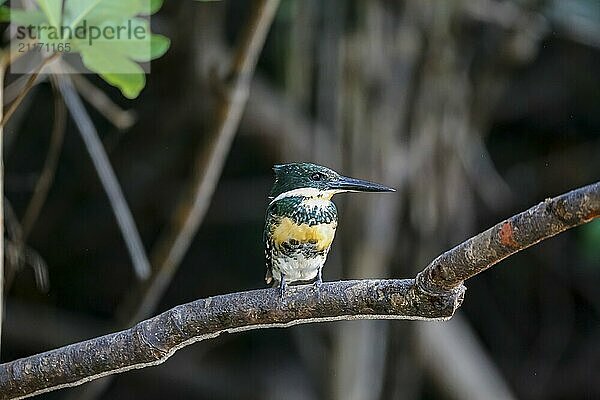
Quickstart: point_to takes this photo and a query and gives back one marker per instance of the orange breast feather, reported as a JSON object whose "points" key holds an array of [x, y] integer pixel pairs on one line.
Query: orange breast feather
{"points": [[321, 234]]}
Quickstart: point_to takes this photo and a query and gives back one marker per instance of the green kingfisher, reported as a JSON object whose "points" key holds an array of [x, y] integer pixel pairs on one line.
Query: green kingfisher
{"points": [[301, 220]]}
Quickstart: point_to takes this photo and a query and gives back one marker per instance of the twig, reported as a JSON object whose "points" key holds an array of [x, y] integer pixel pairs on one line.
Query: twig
{"points": [[46, 177], [13, 89], [153, 341], [208, 164], [479, 167], [452, 356], [18, 254], [11, 55], [106, 175], [121, 119], [432, 296], [2, 72], [520, 231], [28, 85], [458, 361]]}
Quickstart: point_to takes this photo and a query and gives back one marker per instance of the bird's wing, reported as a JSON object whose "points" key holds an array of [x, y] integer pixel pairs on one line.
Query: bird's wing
{"points": [[268, 259], [268, 242]]}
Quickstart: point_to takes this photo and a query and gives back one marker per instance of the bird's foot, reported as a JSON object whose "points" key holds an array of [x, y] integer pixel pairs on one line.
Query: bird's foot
{"points": [[319, 281]]}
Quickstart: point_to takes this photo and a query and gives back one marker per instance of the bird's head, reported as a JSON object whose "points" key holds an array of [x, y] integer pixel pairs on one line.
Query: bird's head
{"points": [[312, 180]]}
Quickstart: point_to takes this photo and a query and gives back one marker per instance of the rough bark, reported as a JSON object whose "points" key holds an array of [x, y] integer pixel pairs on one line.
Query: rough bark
{"points": [[520, 231], [435, 295], [154, 340]]}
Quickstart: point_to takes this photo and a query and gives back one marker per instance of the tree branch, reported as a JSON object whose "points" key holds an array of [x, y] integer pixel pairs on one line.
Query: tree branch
{"points": [[504, 239], [154, 340], [434, 295]]}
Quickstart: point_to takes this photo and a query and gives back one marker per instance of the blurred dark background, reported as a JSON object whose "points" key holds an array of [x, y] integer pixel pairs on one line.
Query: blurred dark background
{"points": [[473, 110]]}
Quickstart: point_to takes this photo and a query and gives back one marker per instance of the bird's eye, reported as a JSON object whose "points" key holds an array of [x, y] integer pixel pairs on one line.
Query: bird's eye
{"points": [[316, 176]]}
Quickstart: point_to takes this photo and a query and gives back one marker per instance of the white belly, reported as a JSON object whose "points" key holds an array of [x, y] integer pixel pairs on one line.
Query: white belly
{"points": [[297, 267]]}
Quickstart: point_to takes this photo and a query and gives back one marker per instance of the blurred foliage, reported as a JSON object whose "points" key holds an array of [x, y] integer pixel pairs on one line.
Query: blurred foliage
{"points": [[115, 59], [590, 241]]}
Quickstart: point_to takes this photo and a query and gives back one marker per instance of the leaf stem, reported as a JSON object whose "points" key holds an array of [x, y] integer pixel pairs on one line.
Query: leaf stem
{"points": [[28, 85]]}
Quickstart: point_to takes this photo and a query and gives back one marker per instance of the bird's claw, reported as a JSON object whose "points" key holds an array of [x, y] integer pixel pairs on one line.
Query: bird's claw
{"points": [[319, 280]]}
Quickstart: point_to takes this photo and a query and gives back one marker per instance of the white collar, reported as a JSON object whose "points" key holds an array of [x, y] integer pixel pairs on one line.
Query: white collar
{"points": [[306, 192]]}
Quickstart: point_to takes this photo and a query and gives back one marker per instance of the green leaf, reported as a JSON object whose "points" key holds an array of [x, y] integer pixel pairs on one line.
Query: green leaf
{"points": [[99, 60], [159, 45], [27, 17], [4, 14], [150, 47], [155, 5], [98, 12], [114, 58], [116, 69], [53, 11], [130, 84], [76, 11]]}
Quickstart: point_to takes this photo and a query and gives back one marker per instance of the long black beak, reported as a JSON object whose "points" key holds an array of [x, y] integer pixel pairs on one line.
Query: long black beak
{"points": [[359, 185]]}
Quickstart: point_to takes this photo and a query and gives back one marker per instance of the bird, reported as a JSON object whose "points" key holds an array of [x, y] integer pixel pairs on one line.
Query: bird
{"points": [[301, 221]]}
